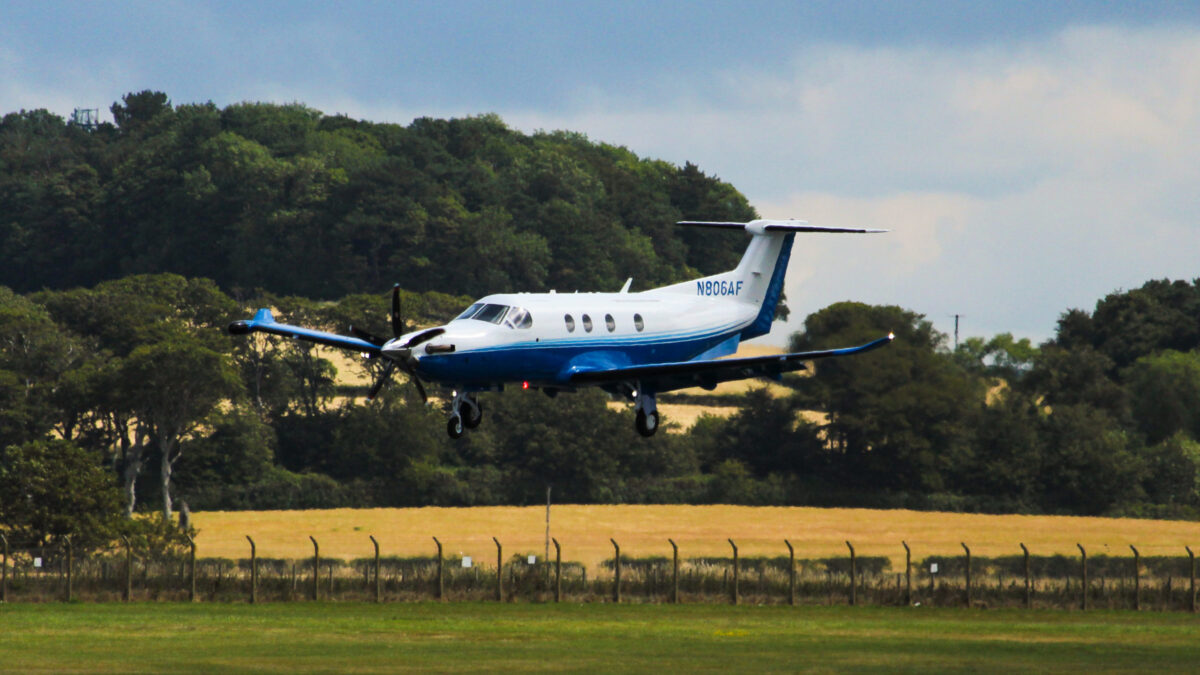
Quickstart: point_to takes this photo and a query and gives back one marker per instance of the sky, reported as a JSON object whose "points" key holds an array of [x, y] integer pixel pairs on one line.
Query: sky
{"points": [[1028, 157]]}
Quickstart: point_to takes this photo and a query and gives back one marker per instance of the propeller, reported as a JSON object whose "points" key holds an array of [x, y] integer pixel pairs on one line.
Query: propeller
{"points": [[401, 355]]}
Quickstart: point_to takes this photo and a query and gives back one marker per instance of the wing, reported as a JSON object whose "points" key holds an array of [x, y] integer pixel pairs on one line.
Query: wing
{"points": [[264, 322], [661, 377]]}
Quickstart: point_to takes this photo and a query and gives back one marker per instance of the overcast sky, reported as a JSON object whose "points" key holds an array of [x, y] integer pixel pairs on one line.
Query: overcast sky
{"points": [[1028, 157]]}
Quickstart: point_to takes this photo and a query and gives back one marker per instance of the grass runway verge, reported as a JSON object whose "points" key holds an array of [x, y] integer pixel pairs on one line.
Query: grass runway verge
{"points": [[474, 637]]}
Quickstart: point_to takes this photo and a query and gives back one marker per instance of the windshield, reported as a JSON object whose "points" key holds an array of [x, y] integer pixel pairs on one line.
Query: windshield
{"points": [[491, 313], [469, 312]]}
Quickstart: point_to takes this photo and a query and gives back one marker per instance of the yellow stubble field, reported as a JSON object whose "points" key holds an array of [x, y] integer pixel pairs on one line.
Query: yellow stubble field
{"points": [[642, 530]]}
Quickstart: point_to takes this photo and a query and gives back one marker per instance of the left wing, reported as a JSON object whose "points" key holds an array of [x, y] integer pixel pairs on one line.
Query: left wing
{"points": [[264, 322], [680, 375]]}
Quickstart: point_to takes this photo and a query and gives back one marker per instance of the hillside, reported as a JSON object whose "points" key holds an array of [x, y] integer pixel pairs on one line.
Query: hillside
{"points": [[290, 200]]}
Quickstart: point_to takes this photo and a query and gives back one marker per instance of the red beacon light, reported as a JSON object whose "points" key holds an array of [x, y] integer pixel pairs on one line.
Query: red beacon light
{"points": [[525, 385]]}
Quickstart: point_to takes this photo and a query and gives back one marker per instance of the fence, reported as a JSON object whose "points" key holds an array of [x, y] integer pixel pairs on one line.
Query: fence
{"points": [[1165, 583]]}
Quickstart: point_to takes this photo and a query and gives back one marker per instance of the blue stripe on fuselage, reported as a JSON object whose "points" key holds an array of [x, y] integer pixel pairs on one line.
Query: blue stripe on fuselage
{"points": [[545, 362]]}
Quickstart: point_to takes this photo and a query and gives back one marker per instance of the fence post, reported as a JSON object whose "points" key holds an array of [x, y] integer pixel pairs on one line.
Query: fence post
{"points": [[964, 545], [1083, 576], [734, 596], [378, 595], [907, 574], [1028, 587], [316, 587], [70, 564], [791, 573], [557, 570], [128, 568], [617, 568], [499, 572], [441, 586], [4, 570], [1137, 579], [674, 572], [253, 571], [1192, 580], [191, 567], [853, 577]]}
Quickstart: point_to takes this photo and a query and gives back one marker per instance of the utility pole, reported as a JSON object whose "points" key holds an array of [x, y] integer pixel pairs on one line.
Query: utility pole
{"points": [[956, 331], [547, 557]]}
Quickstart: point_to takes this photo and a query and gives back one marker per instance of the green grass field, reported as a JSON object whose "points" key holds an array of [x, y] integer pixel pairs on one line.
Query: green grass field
{"points": [[350, 637]]}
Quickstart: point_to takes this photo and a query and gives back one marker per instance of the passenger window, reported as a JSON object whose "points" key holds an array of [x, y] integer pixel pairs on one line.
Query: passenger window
{"points": [[610, 323], [587, 323], [637, 322], [570, 323]]}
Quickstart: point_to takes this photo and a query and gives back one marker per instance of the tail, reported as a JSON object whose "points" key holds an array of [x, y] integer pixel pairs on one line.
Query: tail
{"points": [[758, 278]]}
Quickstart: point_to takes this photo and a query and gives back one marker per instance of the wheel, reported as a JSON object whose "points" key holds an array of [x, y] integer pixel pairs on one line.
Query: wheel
{"points": [[647, 424], [455, 427], [472, 421]]}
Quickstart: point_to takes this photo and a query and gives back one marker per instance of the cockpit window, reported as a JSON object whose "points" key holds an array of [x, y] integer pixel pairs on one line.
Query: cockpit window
{"points": [[518, 317], [491, 313], [470, 311]]}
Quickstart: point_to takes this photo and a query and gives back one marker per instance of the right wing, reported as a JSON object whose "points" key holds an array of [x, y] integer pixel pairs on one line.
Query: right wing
{"points": [[662, 377]]}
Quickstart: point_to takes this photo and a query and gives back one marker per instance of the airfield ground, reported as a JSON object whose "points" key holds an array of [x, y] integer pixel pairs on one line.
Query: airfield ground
{"points": [[475, 637]]}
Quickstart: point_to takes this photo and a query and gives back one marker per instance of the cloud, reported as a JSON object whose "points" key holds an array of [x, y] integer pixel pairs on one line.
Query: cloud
{"points": [[1020, 179]]}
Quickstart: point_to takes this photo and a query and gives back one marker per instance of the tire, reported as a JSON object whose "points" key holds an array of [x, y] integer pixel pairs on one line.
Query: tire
{"points": [[646, 424], [469, 421], [455, 427]]}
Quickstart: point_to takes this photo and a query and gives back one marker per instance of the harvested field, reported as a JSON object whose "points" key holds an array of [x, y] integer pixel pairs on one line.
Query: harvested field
{"points": [[642, 530]]}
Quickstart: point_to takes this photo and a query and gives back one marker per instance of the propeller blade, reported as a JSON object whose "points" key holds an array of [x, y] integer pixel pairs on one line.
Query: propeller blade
{"points": [[397, 319], [420, 389], [364, 335], [387, 372]]}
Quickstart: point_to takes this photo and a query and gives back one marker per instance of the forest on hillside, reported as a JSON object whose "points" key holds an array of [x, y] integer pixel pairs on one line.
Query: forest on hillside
{"points": [[130, 247]]}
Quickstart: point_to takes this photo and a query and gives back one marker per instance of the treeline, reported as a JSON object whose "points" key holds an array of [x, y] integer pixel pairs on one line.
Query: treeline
{"points": [[286, 198], [130, 395]]}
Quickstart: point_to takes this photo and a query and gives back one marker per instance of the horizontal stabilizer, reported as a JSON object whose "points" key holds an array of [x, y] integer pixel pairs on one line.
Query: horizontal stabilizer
{"points": [[778, 226]]}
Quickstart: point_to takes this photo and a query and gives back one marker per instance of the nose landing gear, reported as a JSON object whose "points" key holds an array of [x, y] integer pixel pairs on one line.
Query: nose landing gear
{"points": [[467, 414]]}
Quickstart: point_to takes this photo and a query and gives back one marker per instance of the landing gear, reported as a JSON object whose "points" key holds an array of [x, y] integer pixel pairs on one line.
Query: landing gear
{"points": [[455, 426], [646, 418], [472, 413], [466, 414], [647, 424]]}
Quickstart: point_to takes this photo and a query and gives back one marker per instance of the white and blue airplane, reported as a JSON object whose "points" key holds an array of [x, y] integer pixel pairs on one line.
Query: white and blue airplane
{"points": [[635, 345]]}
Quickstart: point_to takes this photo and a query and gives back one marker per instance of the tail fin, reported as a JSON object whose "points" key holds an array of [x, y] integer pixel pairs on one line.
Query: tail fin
{"points": [[759, 276]]}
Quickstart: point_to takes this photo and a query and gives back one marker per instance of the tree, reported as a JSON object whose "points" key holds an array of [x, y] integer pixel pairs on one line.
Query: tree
{"points": [[139, 109], [50, 489], [900, 417], [173, 385], [1089, 467], [1164, 392]]}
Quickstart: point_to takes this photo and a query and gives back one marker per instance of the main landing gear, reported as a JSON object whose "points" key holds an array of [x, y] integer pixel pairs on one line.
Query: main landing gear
{"points": [[466, 413], [646, 417]]}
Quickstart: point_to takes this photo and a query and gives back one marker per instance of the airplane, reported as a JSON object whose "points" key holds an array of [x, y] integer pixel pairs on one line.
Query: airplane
{"points": [[635, 345]]}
